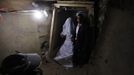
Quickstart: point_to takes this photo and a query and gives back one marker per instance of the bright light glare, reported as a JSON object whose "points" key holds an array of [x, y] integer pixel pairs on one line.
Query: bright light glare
{"points": [[38, 14]]}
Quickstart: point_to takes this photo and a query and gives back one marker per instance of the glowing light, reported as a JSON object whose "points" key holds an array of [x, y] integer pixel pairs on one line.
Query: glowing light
{"points": [[38, 14]]}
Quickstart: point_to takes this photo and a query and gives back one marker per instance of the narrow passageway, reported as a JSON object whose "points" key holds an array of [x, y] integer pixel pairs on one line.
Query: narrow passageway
{"points": [[114, 51], [21, 31]]}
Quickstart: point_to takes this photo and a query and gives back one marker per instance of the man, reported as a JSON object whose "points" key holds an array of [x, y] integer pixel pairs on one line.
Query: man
{"points": [[81, 50]]}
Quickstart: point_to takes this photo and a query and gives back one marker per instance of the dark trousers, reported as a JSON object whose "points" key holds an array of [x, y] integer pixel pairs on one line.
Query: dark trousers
{"points": [[80, 55]]}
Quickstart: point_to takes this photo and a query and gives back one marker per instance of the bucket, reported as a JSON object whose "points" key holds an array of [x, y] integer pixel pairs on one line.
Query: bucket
{"points": [[33, 60], [20, 62]]}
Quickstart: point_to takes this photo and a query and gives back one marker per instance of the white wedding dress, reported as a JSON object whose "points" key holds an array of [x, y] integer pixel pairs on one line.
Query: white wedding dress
{"points": [[64, 55]]}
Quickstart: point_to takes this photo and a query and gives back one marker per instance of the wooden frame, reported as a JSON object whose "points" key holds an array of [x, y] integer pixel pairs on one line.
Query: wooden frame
{"points": [[87, 5]]}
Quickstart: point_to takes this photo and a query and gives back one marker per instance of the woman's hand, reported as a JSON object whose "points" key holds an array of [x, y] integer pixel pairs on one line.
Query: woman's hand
{"points": [[62, 36]]}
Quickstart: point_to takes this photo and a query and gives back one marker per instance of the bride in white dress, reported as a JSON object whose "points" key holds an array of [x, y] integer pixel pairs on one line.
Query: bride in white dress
{"points": [[64, 55]]}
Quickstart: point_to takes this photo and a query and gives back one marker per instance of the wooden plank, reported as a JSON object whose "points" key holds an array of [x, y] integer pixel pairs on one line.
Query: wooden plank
{"points": [[76, 2], [74, 5]]}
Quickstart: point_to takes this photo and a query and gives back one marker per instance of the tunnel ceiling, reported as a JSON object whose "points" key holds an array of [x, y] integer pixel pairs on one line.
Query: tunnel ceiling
{"points": [[16, 5], [13, 5]]}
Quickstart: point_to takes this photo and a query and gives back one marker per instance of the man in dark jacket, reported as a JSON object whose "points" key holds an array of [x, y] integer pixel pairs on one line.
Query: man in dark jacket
{"points": [[81, 49]]}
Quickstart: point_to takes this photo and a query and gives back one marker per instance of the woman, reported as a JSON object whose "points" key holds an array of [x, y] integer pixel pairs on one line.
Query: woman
{"points": [[64, 55]]}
